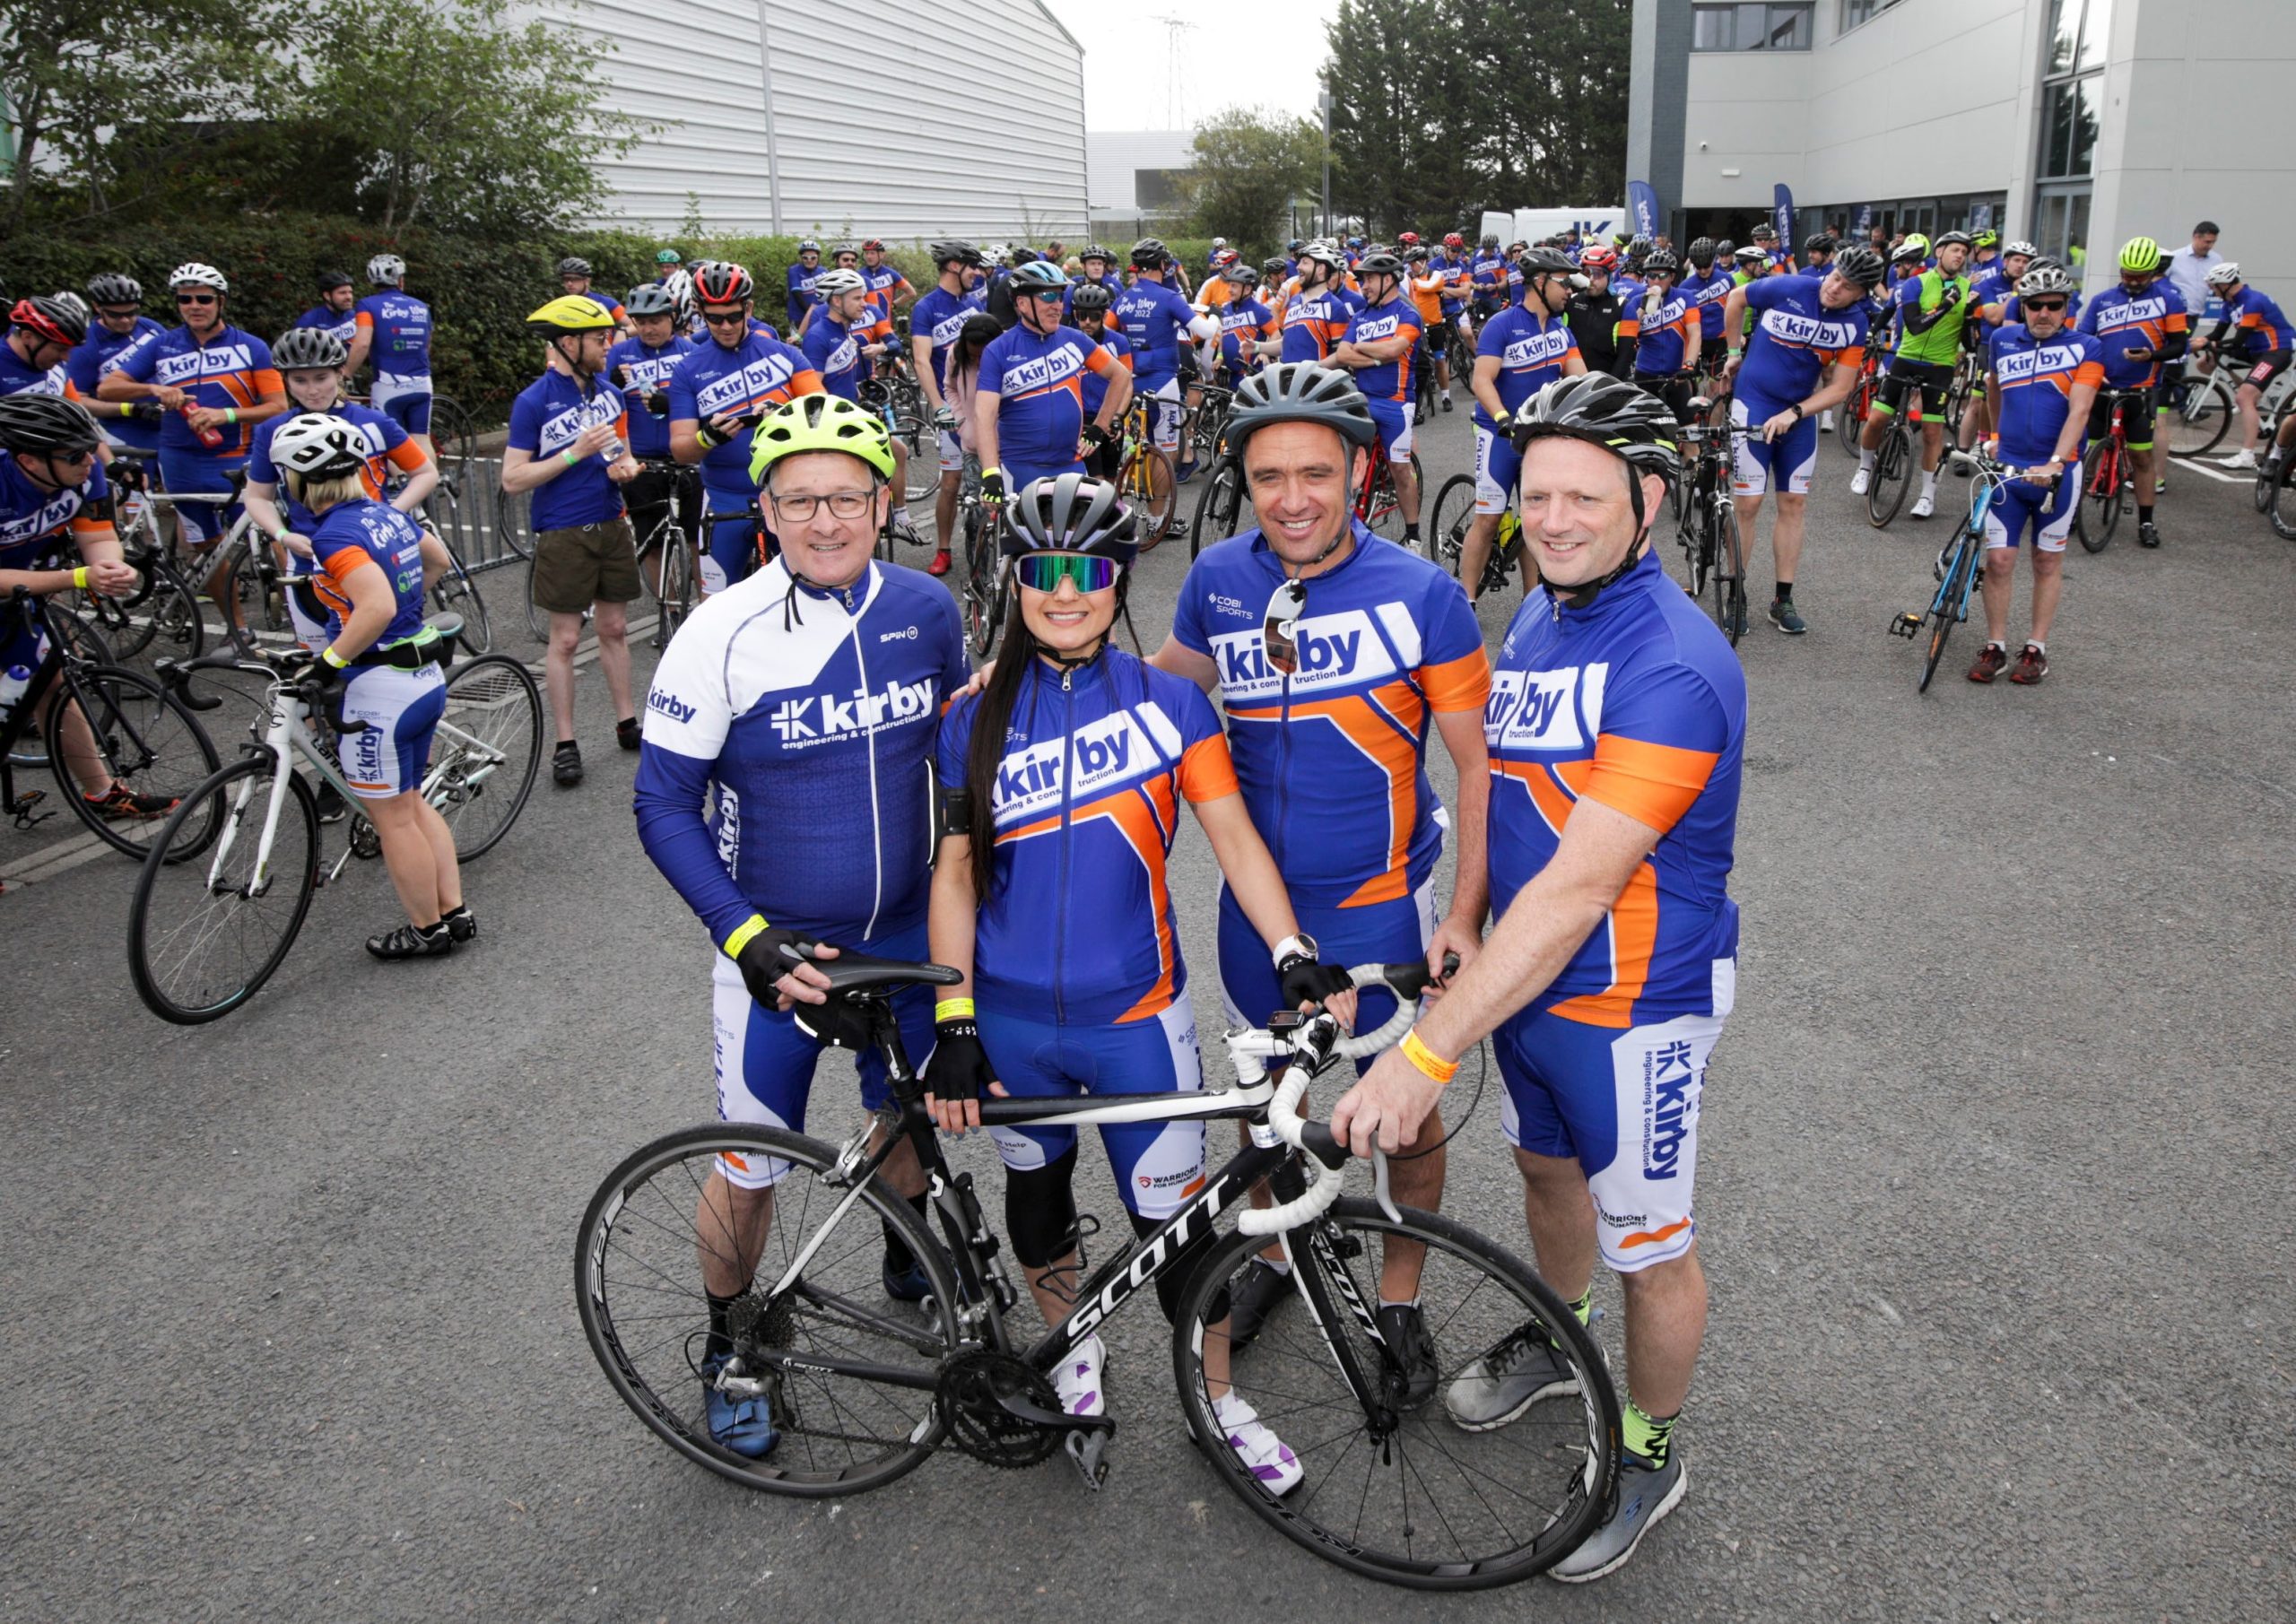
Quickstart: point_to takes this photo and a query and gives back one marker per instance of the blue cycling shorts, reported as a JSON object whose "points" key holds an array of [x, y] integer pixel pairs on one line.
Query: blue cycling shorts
{"points": [[387, 756], [2046, 511], [191, 472], [1783, 465]]}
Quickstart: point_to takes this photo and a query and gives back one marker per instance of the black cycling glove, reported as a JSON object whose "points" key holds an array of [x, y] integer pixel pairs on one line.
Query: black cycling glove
{"points": [[958, 1068], [1305, 979], [767, 957], [657, 401]]}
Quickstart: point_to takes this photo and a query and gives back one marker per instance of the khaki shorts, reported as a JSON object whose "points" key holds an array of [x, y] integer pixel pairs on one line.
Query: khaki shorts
{"points": [[585, 564]]}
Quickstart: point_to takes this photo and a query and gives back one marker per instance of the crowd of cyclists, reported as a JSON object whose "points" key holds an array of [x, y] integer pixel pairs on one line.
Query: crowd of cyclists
{"points": [[820, 771]]}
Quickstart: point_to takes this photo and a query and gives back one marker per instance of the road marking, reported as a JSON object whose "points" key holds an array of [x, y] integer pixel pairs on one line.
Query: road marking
{"points": [[2186, 464]]}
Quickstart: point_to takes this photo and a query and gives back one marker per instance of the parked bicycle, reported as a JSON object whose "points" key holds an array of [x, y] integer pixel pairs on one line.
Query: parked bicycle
{"points": [[2107, 473], [1960, 565], [1714, 561]]}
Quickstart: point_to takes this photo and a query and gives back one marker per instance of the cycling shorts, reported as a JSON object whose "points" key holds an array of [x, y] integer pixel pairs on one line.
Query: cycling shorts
{"points": [[1671, 388], [1164, 412], [1625, 1106], [401, 710], [654, 495], [1395, 932], [765, 1065], [1932, 381], [2258, 371], [1157, 1165], [2046, 511], [183, 473], [732, 554], [2136, 418], [1395, 418], [308, 613], [1782, 464], [405, 401], [1497, 466]]}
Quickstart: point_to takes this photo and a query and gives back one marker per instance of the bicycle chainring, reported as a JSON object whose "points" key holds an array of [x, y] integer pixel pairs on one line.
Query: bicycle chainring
{"points": [[972, 1383]]}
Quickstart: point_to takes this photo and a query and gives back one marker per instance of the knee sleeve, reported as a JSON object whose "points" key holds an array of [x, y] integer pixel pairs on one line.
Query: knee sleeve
{"points": [[1182, 1270], [1040, 1210]]}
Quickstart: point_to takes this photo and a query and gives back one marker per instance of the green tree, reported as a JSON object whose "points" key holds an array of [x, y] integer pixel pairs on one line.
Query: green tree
{"points": [[1250, 165]]}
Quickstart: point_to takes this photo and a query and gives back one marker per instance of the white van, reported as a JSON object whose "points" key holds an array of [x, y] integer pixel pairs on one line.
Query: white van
{"points": [[1530, 225]]}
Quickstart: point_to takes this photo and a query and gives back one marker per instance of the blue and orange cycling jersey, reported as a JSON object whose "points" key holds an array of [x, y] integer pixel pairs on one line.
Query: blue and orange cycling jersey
{"points": [[2122, 321], [884, 285], [1314, 322], [32, 517], [1637, 703], [1079, 926], [1096, 383], [1374, 324], [1040, 384], [938, 317], [351, 535], [19, 376], [756, 374], [1453, 274], [1797, 338], [1711, 295], [1532, 349], [802, 279], [1242, 326], [101, 353], [835, 350], [2253, 324], [1990, 292], [1487, 275], [2015, 311], [638, 370], [1332, 755], [232, 369], [1152, 319], [2035, 379], [401, 325], [1661, 324], [388, 448]]}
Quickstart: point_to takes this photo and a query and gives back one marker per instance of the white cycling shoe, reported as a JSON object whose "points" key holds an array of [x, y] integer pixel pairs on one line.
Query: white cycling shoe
{"points": [[1925, 504], [1264, 1454], [1860, 480], [1078, 1380]]}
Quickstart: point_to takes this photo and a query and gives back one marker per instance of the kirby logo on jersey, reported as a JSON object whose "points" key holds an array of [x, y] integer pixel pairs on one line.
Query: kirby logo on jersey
{"points": [[1538, 348], [1372, 329], [1027, 376], [669, 705], [2022, 366], [1099, 755], [210, 365], [1543, 709], [1333, 649], [1811, 331], [824, 719], [52, 515], [755, 382]]}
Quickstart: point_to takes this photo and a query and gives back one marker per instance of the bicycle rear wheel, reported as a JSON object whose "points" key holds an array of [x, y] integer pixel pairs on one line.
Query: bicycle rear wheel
{"points": [[2283, 503], [638, 1282], [486, 752], [675, 601], [204, 936], [1449, 520], [983, 579], [510, 532], [145, 740], [1726, 572], [2197, 416], [456, 593], [1148, 485], [1218, 506], [1401, 1491], [1849, 417], [1892, 472], [2098, 513]]}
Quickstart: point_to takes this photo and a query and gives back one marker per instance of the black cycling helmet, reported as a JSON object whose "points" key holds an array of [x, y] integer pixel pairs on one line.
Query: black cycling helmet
{"points": [[652, 299], [1725, 249], [1096, 250], [45, 425], [1628, 422], [1861, 265], [1300, 392], [113, 288], [1379, 264], [1072, 512], [572, 265], [1019, 256], [50, 319], [1242, 278], [1702, 251], [1275, 270], [1942, 240], [1544, 262], [1091, 298], [956, 251], [1661, 260], [1149, 254], [1822, 242], [326, 282], [309, 349]]}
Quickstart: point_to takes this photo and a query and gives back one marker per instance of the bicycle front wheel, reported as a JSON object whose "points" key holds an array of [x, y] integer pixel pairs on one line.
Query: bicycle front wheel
{"points": [[1725, 570], [984, 604], [1953, 603], [1148, 485], [2283, 503], [486, 752], [204, 936], [667, 1214], [1399, 1488], [456, 593], [1217, 507], [2099, 512], [139, 737], [1449, 523], [1892, 472]]}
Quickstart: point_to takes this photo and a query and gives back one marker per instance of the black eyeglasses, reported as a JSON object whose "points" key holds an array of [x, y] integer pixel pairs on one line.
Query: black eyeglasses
{"points": [[195, 299], [842, 504]]}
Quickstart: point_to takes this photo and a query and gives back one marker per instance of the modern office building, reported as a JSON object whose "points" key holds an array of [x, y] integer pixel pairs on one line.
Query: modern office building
{"points": [[2076, 123], [892, 119]]}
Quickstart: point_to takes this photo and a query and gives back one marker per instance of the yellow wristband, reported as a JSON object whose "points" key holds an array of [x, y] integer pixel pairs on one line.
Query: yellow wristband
{"points": [[333, 659], [744, 934], [1426, 1060], [79, 577], [231, 416], [953, 1009]]}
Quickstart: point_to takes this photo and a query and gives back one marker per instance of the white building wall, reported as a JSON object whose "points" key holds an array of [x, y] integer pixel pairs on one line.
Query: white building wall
{"points": [[783, 117]]}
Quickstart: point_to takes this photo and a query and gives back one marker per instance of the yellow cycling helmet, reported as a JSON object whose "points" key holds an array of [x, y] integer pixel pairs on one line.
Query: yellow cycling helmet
{"points": [[570, 313], [819, 422], [2140, 256]]}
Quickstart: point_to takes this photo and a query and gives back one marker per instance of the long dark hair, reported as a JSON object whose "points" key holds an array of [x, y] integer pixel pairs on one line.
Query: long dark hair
{"points": [[985, 751]]}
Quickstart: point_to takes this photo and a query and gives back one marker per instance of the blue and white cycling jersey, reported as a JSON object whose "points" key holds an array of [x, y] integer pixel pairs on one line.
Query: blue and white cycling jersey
{"points": [[1153, 320], [327, 318], [102, 352], [638, 369], [401, 325], [807, 721]]}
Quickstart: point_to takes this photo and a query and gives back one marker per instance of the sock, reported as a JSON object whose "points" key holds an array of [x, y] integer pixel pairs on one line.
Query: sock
{"points": [[1784, 591], [2036, 646], [720, 1343], [461, 910], [1584, 1308], [1411, 533], [1648, 1435], [1929, 482], [568, 744], [1996, 643], [1282, 1269], [1398, 1302], [899, 1258], [1865, 460], [2143, 513]]}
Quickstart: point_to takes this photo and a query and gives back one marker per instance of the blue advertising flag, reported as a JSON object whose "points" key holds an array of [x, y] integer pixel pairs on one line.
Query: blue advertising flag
{"points": [[1865, 219], [1984, 216], [1642, 198], [1785, 219]]}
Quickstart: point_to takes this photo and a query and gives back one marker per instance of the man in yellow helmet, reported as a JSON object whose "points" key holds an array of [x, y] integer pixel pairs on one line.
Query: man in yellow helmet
{"points": [[570, 448]]}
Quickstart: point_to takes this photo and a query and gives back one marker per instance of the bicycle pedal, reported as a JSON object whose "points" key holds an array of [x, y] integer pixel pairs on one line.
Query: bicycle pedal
{"points": [[22, 808], [1088, 1453], [1907, 625]]}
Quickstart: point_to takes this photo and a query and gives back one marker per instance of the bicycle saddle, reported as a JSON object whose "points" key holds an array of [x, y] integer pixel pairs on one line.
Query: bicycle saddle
{"points": [[852, 972], [238, 478]]}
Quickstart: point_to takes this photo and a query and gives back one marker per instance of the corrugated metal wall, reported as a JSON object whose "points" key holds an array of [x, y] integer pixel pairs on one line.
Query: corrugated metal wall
{"points": [[895, 118]]}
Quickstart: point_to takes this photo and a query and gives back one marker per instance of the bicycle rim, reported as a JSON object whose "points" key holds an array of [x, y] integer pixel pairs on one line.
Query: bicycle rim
{"points": [[1449, 520], [1727, 566], [2199, 420], [637, 1263], [200, 942], [1150, 484], [1412, 1497], [1892, 472], [457, 594], [486, 752], [676, 599], [2284, 504], [1951, 601], [2099, 505], [144, 739]]}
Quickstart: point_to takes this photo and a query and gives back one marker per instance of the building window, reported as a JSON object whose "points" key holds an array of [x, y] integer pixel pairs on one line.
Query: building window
{"points": [[2071, 91], [1856, 13], [1766, 27]]}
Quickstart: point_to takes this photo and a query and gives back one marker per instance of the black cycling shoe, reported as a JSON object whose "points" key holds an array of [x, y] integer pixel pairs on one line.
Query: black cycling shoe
{"points": [[461, 925], [332, 807], [408, 943], [566, 765], [1447, 403], [2148, 534], [1411, 1354], [1252, 1298], [626, 733]]}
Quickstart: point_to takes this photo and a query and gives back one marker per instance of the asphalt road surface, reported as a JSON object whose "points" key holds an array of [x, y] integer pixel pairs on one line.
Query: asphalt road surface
{"points": [[2002, 1321]]}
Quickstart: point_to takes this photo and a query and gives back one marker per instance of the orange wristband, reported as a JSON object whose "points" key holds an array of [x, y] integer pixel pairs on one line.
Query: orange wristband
{"points": [[1426, 1060]]}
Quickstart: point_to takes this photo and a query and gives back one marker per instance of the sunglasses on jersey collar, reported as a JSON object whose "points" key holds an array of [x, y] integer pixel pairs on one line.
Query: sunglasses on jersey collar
{"points": [[1044, 571], [1279, 631]]}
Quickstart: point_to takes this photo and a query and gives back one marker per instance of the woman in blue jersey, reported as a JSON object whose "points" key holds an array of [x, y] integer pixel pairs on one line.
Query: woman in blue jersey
{"points": [[375, 565], [1050, 895]]}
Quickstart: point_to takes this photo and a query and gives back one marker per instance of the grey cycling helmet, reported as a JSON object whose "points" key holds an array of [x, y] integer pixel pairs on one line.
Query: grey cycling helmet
{"points": [[1090, 297], [2021, 247], [309, 349], [2046, 276], [1300, 392], [572, 265], [1858, 264], [1628, 421], [113, 288], [1072, 512], [1702, 251], [40, 424], [652, 299]]}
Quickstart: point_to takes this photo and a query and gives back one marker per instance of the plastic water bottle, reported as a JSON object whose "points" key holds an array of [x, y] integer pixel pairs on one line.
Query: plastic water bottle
{"points": [[12, 683], [210, 437]]}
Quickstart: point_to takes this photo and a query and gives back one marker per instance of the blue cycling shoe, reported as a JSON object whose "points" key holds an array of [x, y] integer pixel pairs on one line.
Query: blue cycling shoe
{"points": [[906, 1285], [742, 1425]]}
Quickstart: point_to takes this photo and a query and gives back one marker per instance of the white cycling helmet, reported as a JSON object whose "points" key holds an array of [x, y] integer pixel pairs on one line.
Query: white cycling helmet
{"points": [[318, 447], [193, 275], [2021, 247], [385, 270], [829, 285], [2043, 278], [2225, 275]]}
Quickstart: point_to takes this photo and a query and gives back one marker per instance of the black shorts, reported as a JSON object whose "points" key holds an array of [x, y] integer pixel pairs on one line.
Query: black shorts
{"points": [[1673, 388], [2135, 418], [1931, 380], [2257, 371]]}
